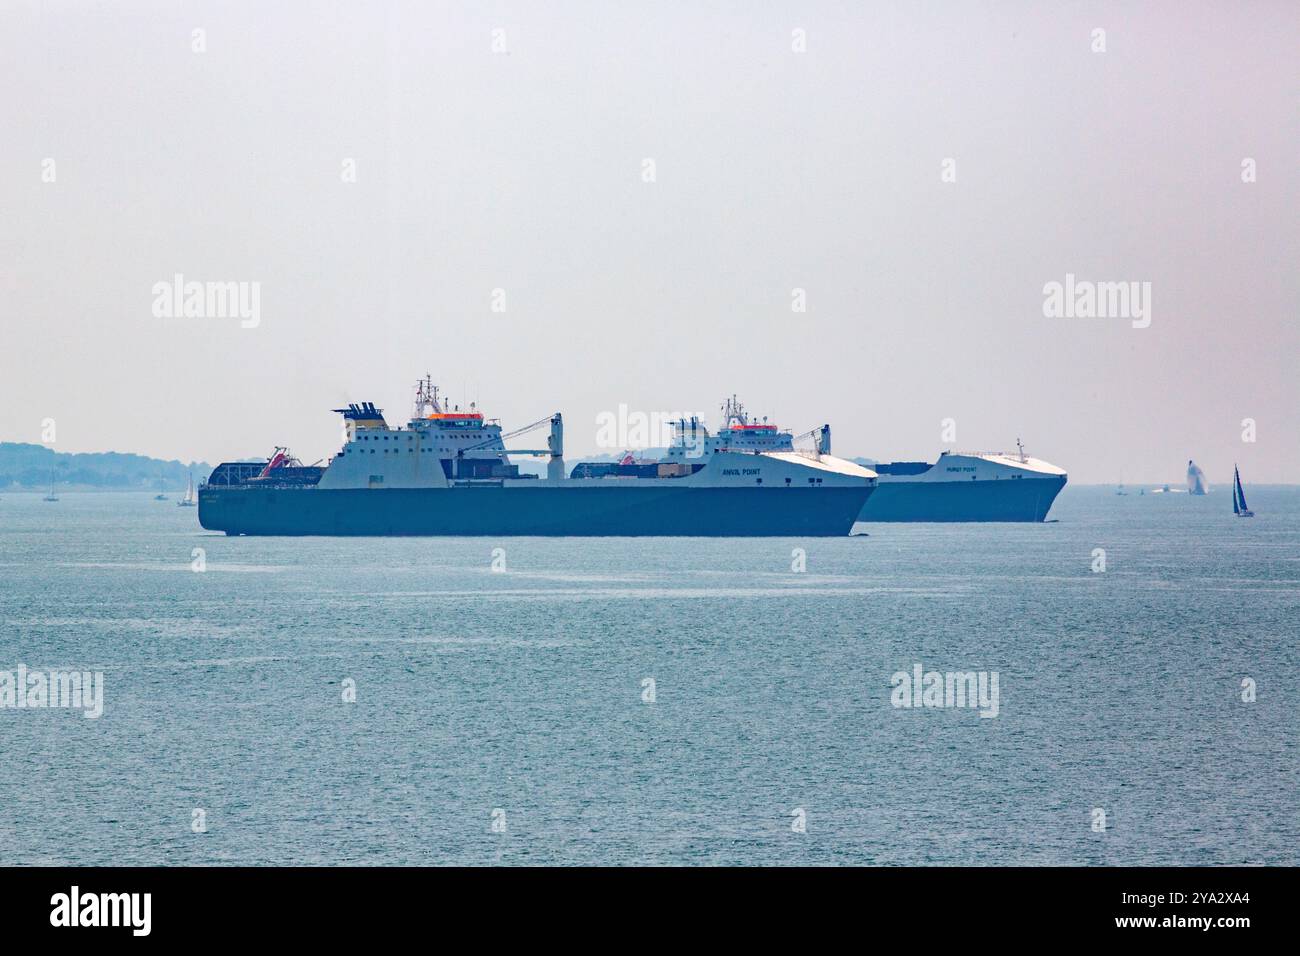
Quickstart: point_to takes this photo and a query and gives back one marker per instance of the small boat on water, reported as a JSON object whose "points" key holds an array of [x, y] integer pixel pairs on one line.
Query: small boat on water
{"points": [[51, 496], [188, 500], [1239, 496], [1120, 490], [160, 496]]}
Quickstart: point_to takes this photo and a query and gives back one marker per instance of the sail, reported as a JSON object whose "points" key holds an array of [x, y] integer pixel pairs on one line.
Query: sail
{"points": [[1236, 509], [1241, 494]]}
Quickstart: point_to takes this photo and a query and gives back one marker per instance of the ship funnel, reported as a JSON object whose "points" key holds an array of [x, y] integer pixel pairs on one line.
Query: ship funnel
{"points": [[555, 443], [824, 442], [361, 415]]}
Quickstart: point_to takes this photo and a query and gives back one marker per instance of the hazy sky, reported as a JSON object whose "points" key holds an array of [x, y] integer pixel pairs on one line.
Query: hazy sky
{"points": [[523, 170]]}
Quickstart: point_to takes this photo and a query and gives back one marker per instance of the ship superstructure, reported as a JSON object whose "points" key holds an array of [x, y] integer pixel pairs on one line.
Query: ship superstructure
{"points": [[440, 445], [448, 471], [693, 445], [738, 432]]}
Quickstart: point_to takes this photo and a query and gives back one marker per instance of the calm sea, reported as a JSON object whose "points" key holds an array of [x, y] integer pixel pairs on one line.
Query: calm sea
{"points": [[658, 701]]}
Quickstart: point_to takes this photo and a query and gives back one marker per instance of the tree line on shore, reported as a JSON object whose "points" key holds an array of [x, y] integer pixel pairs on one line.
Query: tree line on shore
{"points": [[25, 465]]}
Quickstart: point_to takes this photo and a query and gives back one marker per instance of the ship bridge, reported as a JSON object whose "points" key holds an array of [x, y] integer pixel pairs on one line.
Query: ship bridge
{"points": [[738, 433], [441, 444]]}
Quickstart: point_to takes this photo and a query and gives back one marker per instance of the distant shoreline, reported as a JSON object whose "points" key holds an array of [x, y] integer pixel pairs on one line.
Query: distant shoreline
{"points": [[90, 490], [30, 467]]}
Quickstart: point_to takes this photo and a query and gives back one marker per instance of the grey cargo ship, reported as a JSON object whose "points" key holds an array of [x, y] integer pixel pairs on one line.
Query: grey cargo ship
{"points": [[448, 472]]}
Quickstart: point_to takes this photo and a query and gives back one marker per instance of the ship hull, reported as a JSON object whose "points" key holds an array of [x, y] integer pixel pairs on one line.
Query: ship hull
{"points": [[1020, 499], [569, 509]]}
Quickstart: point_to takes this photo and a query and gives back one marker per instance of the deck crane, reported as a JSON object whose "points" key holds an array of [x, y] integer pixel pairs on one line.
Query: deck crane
{"points": [[555, 445]]}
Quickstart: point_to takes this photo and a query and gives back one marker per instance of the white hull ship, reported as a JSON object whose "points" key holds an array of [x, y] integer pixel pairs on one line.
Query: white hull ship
{"points": [[966, 486], [960, 486]]}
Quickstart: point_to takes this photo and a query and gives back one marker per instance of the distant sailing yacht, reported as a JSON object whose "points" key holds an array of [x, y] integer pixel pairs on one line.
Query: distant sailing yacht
{"points": [[1120, 490], [51, 496], [188, 500], [1239, 496], [160, 496]]}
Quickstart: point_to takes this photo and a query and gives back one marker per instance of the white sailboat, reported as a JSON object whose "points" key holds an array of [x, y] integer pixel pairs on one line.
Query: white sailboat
{"points": [[1239, 496], [51, 496], [188, 500]]}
